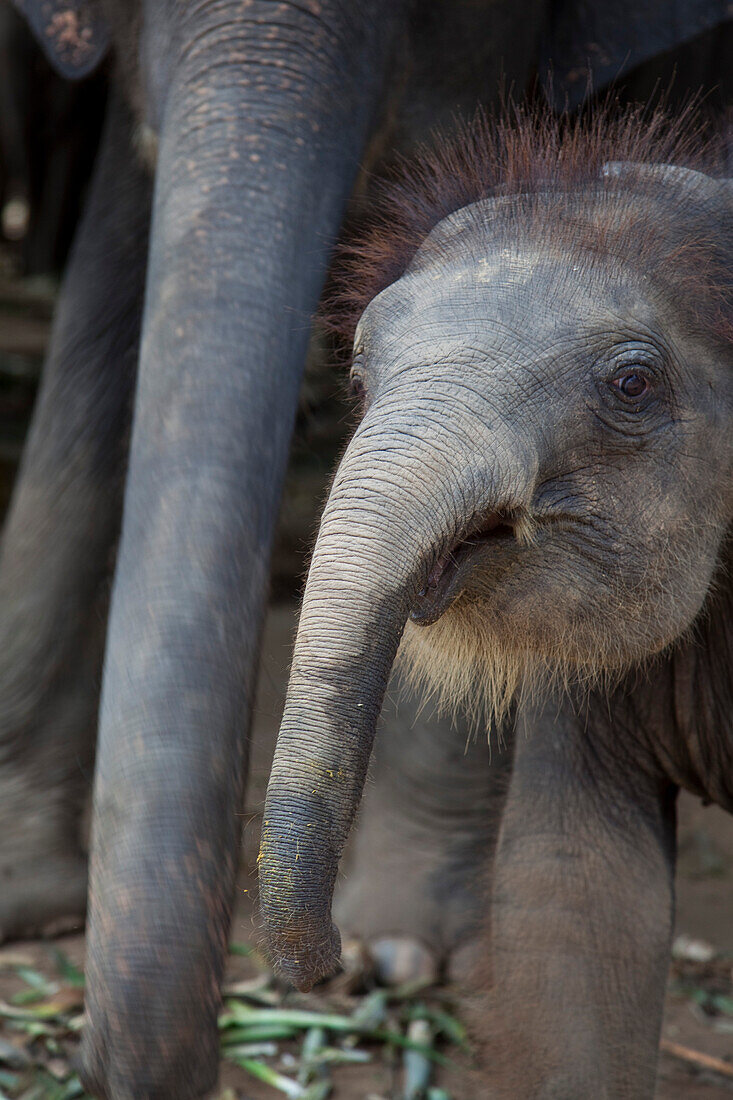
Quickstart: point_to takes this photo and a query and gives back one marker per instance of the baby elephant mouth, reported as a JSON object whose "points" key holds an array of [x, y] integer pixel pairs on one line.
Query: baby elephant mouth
{"points": [[448, 576]]}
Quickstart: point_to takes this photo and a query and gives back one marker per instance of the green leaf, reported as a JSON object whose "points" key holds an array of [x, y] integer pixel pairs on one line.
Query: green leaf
{"points": [[28, 997], [250, 1050], [446, 1024], [313, 1043], [40, 986], [416, 1065], [270, 1076], [398, 1040], [257, 1034], [73, 1089], [298, 1018], [319, 1090], [47, 1011], [303, 1020], [46, 1088], [333, 1056], [32, 977], [372, 1011], [723, 1003], [243, 949], [71, 974]]}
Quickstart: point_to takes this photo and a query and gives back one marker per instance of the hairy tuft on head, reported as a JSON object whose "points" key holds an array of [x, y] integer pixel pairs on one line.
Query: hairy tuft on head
{"points": [[528, 153]]}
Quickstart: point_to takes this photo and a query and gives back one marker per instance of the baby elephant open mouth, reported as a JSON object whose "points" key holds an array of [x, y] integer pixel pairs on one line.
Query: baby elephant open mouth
{"points": [[448, 576]]}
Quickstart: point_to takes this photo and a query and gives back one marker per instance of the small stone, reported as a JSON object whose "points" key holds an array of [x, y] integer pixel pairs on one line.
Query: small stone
{"points": [[692, 950]]}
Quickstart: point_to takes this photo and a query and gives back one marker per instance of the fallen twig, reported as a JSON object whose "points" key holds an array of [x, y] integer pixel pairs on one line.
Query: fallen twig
{"points": [[696, 1058]]}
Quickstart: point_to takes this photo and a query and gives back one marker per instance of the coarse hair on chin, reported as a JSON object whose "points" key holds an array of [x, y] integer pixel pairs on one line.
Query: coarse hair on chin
{"points": [[465, 665]]}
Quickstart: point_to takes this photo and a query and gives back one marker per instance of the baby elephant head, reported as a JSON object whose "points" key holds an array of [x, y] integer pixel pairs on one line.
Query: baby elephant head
{"points": [[541, 483]]}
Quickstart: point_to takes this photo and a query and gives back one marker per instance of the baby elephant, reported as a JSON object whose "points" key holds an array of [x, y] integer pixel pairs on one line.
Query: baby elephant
{"points": [[538, 502]]}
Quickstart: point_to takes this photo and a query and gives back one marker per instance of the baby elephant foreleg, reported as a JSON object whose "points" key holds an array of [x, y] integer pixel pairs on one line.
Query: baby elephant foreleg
{"points": [[581, 918]]}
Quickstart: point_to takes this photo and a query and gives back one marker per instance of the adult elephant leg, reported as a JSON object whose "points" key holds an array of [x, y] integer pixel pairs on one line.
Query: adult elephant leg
{"points": [[57, 547], [581, 914], [417, 871], [263, 115]]}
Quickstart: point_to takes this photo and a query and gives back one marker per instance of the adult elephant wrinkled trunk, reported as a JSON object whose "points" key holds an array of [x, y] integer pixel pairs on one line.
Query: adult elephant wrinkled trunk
{"points": [[262, 111], [398, 504]]}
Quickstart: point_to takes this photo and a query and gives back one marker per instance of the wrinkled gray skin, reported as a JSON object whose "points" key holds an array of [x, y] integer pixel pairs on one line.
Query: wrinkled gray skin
{"points": [[262, 113], [490, 370]]}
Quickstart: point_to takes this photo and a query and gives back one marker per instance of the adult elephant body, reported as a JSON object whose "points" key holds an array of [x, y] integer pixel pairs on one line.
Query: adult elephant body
{"points": [[261, 113], [257, 152]]}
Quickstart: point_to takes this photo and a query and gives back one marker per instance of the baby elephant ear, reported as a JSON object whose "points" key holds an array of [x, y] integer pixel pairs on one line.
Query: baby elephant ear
{"points": [[73, 33], [697, 185]]}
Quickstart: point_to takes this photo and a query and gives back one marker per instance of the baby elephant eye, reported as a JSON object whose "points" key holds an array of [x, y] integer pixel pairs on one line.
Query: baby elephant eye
{"points": [[631, 384]]}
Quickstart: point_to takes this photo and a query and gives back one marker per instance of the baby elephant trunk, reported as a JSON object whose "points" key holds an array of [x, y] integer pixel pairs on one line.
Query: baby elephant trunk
{"points": [[396, 504]]}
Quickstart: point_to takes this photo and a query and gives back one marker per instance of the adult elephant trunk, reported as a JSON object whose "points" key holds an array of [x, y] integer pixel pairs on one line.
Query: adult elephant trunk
{"points": [[262, 112], [398, 503]]}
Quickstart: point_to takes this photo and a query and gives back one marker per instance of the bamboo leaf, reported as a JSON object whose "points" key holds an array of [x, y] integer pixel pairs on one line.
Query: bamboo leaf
{"points": [[417, 1067], [336, 1056], [372, 1011], [271, 1077], [315, 1039], [250, 1050], [319, 1090], [71, 974], [446, 1024], [257, 1034]]}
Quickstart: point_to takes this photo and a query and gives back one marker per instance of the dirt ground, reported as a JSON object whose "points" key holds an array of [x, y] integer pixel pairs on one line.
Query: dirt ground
{"points": [[705, 913]]}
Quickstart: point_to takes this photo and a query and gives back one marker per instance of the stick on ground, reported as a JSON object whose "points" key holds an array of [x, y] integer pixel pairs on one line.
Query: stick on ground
{"points": [[697, 1058]]}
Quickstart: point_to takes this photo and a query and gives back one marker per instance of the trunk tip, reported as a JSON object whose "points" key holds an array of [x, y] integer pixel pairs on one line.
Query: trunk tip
{"points": [[301, 957]]}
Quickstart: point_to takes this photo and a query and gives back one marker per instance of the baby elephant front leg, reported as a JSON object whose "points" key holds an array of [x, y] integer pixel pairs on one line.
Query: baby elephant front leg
{"points": [[581, 919]]}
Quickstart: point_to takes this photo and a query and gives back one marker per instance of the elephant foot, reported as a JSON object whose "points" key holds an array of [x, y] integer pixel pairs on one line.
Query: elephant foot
{"points": [[416, 877], [43, 872], [443, 943], [401, 960]]}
